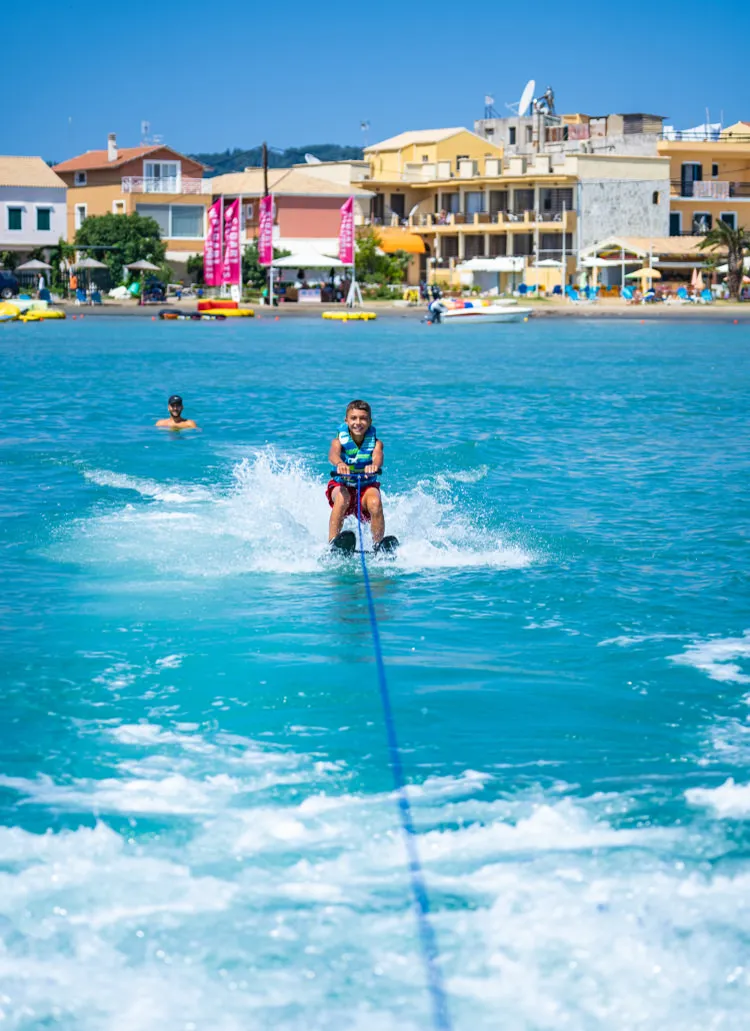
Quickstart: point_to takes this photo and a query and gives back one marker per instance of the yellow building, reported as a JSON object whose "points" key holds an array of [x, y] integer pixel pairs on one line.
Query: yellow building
{"points": [[462, 198], [709, 181]]}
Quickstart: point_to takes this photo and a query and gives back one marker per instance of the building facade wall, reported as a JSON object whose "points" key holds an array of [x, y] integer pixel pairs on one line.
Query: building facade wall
{"points": [[308, 217], [622, 207], [29, 198]]}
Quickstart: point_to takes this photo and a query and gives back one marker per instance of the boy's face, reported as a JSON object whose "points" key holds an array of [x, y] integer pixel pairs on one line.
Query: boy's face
{"points": [[358, 422]]}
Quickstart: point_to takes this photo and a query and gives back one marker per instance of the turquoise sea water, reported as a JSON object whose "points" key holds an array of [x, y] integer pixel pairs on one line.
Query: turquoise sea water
{"points": [[198, 831]]}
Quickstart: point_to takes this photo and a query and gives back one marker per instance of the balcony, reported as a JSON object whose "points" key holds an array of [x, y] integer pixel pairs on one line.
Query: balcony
{"points": [[709, 189], [175, 184]]}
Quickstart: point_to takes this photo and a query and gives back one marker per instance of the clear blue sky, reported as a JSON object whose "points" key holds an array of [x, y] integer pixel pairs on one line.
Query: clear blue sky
{"points": [[210, 77]]}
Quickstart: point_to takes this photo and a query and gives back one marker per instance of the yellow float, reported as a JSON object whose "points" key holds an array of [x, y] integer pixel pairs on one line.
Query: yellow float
{"points": [[41, 315], [350, 316], [230, 313]]}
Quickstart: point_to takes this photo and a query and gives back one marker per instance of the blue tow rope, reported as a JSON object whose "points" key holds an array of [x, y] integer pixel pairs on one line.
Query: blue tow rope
{"points": [[430, 952]]}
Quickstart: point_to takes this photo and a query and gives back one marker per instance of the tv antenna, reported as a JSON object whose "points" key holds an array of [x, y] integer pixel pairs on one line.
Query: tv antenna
{"points": [[145, 130], [365, 128], [489, 106]]}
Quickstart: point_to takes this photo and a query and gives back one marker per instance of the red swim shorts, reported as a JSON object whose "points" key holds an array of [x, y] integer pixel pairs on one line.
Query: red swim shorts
{"points": [[351, 508]]}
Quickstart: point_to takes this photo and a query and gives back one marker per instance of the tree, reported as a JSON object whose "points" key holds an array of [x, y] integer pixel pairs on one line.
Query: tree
{"points": [[124, 239], [735, 242], [253, 273], [60, 255], [373, 266], [195, 268]]}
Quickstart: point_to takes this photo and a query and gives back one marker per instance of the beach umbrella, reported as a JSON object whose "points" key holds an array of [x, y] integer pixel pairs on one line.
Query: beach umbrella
{"points": [[644, 273], [34, 266], [85, 263], [142, 266]]}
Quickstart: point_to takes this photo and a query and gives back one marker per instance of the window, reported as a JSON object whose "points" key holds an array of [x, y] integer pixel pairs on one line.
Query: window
{"points": [[512, 136], [161, 176], [473, 203], [79, 179], [44, 219], [118, 207], [159, 213], [675, 223], [692, 172], [655, 197], [451, 202], [730, 217], [187, 220], [702, 222], [425, 158], [15, 218], [80, 215], [523, 244], [714, 170], [529, 134]]}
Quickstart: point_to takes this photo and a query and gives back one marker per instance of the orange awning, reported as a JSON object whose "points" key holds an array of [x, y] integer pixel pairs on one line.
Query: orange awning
{"points": [[393, 239]]}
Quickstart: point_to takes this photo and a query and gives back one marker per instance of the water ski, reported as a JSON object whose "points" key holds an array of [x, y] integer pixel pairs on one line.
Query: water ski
{"points": [[344, 543], [387, 546]]}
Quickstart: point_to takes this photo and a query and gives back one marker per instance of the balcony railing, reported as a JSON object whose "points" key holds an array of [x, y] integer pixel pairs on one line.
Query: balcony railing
{"points": [[710, 189], [171, 184]]}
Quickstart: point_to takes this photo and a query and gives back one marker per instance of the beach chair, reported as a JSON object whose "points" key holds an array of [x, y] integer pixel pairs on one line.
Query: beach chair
{"points": [[81, 296], [44, 295], [572, 294], [707, 297], [683, 295], [523, 289], [96, 297], [627, 294]]}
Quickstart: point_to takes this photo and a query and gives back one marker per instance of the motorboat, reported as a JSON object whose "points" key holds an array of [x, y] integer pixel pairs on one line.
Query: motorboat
{"points": [[459, 313]]}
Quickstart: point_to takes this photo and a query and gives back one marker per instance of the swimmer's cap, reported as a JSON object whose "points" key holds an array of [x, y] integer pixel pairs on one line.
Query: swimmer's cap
{"points": [[175, 399]]}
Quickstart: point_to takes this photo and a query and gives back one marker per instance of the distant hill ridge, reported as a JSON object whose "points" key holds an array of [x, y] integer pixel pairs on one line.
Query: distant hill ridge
{"points": [[238, 160]]}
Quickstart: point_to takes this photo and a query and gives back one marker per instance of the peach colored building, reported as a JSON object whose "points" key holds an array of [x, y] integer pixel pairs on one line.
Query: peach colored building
{"points": [[152, 180]]}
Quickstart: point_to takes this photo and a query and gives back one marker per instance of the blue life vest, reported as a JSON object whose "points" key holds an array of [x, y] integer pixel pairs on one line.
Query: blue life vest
{"points": [[357, 456]]}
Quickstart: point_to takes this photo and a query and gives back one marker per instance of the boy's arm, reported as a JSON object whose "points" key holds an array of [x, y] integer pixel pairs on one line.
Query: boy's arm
{"points": [[377, 458], [334, 457]]}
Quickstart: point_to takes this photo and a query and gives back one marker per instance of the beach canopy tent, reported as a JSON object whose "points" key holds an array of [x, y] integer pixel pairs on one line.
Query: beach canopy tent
{"points": [[307, 258], [722, 269], [548, 263], [486, 272]]}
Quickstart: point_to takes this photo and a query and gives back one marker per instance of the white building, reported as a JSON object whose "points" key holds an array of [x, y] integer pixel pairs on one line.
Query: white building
{"points": [[32, 204]]}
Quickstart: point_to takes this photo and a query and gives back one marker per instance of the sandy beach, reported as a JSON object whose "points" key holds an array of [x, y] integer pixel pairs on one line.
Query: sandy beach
{"points": [[613, 308]]}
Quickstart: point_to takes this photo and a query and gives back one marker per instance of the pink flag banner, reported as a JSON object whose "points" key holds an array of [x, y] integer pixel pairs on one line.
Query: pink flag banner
{"points": [[346, 232], [265, 230], [230, 269], [212, 246]]}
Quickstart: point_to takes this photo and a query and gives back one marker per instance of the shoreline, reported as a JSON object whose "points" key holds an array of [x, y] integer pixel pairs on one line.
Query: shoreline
{"points": [[719, 311]]}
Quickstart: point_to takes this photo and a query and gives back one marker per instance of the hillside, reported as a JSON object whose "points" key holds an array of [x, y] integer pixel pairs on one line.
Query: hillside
{"points": [[236, 160]]}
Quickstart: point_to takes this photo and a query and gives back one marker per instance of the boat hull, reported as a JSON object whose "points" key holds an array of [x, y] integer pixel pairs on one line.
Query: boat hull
{"points": [[466, 316]]}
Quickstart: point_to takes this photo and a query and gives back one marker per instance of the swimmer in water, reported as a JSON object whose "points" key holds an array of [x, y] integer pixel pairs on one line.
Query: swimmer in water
{"points": [[175, 420]]}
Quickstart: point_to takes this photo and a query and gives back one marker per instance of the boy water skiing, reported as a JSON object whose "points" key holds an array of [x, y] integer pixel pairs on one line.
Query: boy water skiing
{"points": [[356, 449]]}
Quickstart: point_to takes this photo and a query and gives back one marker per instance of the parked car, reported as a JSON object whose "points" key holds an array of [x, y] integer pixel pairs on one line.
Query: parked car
{"points": [[8, 285]]}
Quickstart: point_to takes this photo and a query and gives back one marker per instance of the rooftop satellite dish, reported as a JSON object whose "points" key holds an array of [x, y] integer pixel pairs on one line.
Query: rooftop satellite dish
{"points": [[312, 160], [526, 97]]}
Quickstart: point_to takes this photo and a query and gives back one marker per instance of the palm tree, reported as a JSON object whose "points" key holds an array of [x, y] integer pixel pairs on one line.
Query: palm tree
{"points": [[735, 241]]}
